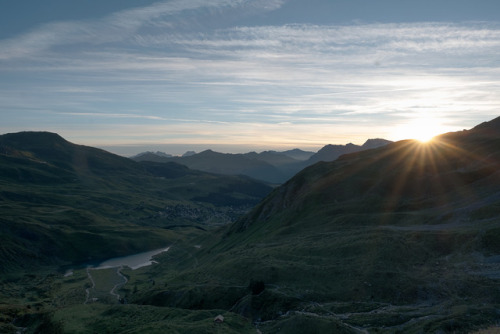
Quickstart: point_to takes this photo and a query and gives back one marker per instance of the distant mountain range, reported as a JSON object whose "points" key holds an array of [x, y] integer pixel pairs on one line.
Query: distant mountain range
{"points": [[273, 156], [268, 166], [157, 154], [332, 152]]}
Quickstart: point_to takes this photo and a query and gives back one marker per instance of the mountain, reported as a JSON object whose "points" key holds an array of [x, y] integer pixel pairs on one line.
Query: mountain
{"points": [[230, 164], [268, 166], [151, 155], [407, 175], [62, 202], [332, 152], [400, 238], [55, 152], [298, 154], [375, 143], [274, 158]]}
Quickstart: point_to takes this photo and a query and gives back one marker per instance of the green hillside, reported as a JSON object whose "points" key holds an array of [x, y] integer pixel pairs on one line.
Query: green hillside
{"points": [[403, 238], [62, 202]]}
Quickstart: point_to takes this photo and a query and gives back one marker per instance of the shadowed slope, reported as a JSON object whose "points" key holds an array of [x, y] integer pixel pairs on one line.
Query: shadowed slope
{"points": [[62, 201], [453, 171], [406, 224]]}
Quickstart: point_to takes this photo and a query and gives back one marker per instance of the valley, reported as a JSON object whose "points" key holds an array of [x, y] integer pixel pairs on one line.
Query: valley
{"points": [[402, 238]]}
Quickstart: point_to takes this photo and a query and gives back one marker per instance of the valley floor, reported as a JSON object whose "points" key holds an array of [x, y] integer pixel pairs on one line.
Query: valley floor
{"points": [[106, 300]]}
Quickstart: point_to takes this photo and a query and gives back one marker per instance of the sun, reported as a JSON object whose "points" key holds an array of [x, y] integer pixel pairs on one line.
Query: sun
{"points": [[421, 129]]}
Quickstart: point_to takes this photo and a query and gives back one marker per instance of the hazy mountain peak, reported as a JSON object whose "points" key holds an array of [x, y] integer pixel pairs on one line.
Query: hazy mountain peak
{"points": [[163, 154], [208, 152], [149, 153], [331, 152], [375, 142], [298, 154]]}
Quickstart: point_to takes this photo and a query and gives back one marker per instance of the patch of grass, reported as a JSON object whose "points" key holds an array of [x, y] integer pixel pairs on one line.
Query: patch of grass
{"points": [[105, 280], [97, 318], [303, 323]]}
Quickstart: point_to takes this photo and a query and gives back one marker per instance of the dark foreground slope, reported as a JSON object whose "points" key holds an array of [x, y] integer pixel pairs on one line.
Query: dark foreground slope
{"points": [[403, 238], [65, 202]]}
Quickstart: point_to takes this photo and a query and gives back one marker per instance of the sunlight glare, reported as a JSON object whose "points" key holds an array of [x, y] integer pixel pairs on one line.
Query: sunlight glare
{"points": [[421, 129]]}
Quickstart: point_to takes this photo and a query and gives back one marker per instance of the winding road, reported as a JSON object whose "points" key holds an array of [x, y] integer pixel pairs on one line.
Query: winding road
{"points": [[125, 280], [87, 290], [112, 291]]}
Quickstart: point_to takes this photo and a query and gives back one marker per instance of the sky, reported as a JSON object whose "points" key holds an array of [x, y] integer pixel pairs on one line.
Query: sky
{"points": [[241, 75]]}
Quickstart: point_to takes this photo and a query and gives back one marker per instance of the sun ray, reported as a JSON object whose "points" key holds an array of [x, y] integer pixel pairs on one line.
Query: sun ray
{"points": [[423, 128]]}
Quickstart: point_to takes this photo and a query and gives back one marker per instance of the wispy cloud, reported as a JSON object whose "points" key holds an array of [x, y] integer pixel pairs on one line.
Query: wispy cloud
{"points": [[113, 115], [120, 26], [136, 116], [302, 82]]}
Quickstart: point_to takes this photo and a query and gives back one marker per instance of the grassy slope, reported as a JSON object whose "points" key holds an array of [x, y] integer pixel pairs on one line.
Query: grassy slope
{"points": [[92, 204], [62, 203], [377, 238]]}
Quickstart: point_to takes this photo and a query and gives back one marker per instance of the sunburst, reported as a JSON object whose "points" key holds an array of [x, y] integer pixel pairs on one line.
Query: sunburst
{"points": [[423, 129]]}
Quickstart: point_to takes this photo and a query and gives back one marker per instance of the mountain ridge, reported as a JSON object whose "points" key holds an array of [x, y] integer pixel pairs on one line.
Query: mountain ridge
{"points": [[270, 166], [444, 145], [56, 194], [331, 152]]}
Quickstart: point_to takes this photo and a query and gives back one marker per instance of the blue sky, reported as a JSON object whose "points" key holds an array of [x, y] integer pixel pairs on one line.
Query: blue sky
{"points": [[241, 75]]}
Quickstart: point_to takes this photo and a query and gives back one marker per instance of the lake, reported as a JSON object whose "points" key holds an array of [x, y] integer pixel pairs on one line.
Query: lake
{"points": [[134, 261]]}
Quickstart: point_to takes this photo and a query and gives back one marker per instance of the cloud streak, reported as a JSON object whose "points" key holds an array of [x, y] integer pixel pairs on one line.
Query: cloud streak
{"points": [[153, 64], [120, 26]]}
